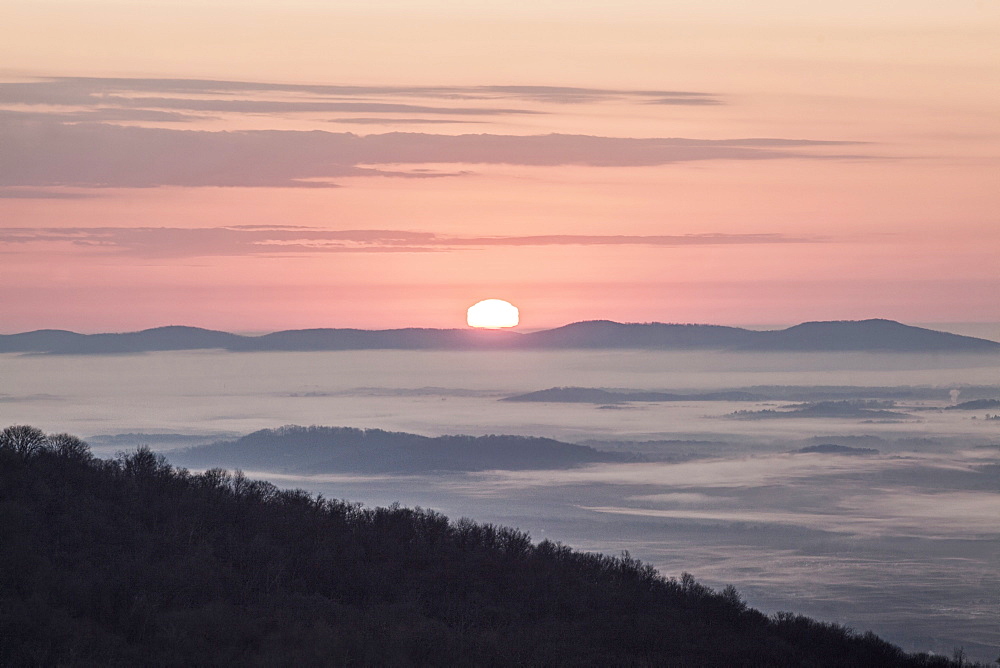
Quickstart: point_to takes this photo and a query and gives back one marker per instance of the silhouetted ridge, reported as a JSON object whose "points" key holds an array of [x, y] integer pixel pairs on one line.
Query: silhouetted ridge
{"points": [[174, 337], [590, 395], [132, 562], [656, 335], [869, 410], [873, 335], [39, 341], [835, 449], [345, 449], [860, 335], [975, 405], [386, 339]]}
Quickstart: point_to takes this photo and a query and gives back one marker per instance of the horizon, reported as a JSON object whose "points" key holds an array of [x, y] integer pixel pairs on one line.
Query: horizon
{"points": [[989, 331]]}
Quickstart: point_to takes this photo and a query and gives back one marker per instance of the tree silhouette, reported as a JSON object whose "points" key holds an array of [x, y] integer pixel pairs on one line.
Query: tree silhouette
{"points": [[22, 439], [131, 561]]}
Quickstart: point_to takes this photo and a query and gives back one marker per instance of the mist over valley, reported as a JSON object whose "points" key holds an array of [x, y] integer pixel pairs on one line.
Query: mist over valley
{"points": [[900, 538]]}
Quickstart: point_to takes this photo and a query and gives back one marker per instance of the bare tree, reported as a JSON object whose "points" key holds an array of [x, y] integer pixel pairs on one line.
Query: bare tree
{"points": [[23, 439], [69, 446]]}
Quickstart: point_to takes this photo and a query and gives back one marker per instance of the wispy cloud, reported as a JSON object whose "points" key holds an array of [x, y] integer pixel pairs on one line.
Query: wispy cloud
{"points": [[95, 132], [101, 115], [400, 121], [100, 155], [173, 92], [40, 193], [283, 240], [296, 106]]}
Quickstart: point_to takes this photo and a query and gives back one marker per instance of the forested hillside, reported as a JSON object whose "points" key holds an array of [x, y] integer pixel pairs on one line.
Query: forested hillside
{"points": [[134, 562]]}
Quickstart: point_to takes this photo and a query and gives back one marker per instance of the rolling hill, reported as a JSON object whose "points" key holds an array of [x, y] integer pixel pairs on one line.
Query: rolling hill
{"points": [[835, 336], [297, 449]]}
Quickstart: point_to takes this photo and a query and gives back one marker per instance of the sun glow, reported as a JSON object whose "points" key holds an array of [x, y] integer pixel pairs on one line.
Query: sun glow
{"points": [[492, 314]]}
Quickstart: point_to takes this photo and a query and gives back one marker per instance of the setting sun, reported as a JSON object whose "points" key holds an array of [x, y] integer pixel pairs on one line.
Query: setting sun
{"points": [[493, 314]]}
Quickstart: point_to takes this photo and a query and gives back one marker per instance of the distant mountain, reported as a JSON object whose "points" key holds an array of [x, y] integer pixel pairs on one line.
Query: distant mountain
{"points": [[826, 409], [861, 335], [797, 393], [656, 335], [158, 441], [975, 405], [347, 450], [590, 395], [39, 341], [857, 336], [385, 339], [149, 340], [834, 449]]}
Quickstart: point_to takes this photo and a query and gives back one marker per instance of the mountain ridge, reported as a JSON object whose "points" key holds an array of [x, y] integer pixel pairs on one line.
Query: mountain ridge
{"points": [[817, 336]]}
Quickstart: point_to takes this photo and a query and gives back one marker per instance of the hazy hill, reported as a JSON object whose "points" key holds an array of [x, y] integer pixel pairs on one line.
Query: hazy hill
{"points": [[159, 338], [131, 562], [875, 335], [39, 341], [343, 449], [856, 410], [864, 335], [800, 393], [835, 449], [975, 405], [590, 395], [656, 335], [364, 339]]}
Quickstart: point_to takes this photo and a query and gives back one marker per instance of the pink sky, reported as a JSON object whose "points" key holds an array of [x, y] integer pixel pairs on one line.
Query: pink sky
{"points": [[256, 166]]}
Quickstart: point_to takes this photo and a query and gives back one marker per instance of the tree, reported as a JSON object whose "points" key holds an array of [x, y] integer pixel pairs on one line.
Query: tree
{"points": [[23, 439], [732, 596], [69, 446]]}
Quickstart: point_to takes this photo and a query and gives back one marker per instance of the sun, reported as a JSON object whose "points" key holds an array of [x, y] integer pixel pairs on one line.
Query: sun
{"points": [[493, 314]]}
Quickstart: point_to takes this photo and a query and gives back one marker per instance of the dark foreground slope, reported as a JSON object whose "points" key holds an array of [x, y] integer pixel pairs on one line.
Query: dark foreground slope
{"points": [[133, 562]]}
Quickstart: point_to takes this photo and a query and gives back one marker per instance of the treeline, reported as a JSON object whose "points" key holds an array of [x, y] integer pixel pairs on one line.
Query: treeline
{"points": [[134, 562]]}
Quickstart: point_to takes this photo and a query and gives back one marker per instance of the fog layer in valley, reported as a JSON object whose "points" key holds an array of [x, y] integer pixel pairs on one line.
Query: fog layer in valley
{"points": [[903, 541]]}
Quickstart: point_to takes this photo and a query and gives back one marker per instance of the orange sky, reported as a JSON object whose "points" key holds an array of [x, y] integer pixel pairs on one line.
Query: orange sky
{"points": [[258, 165]]}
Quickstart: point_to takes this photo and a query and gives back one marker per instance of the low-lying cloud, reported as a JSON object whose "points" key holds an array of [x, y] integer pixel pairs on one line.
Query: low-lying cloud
{"points": [[178, 92], [290, 239]]}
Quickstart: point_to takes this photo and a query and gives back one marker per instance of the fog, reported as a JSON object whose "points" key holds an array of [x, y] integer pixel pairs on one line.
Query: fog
{"points": [[438, 393], [905, 542]]}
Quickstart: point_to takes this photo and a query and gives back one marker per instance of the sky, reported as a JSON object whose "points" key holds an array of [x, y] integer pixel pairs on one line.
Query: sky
{"points": [[257, 166]]}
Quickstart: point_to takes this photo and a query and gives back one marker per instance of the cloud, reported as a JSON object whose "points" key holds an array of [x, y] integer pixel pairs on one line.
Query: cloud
{"points": [[83, 132], [99, 155], [689, 101], [400, 121], [574, 95], [283, 240], [102, 115], [708, 239], [291, 106], [92, 90], [34, 193]]}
